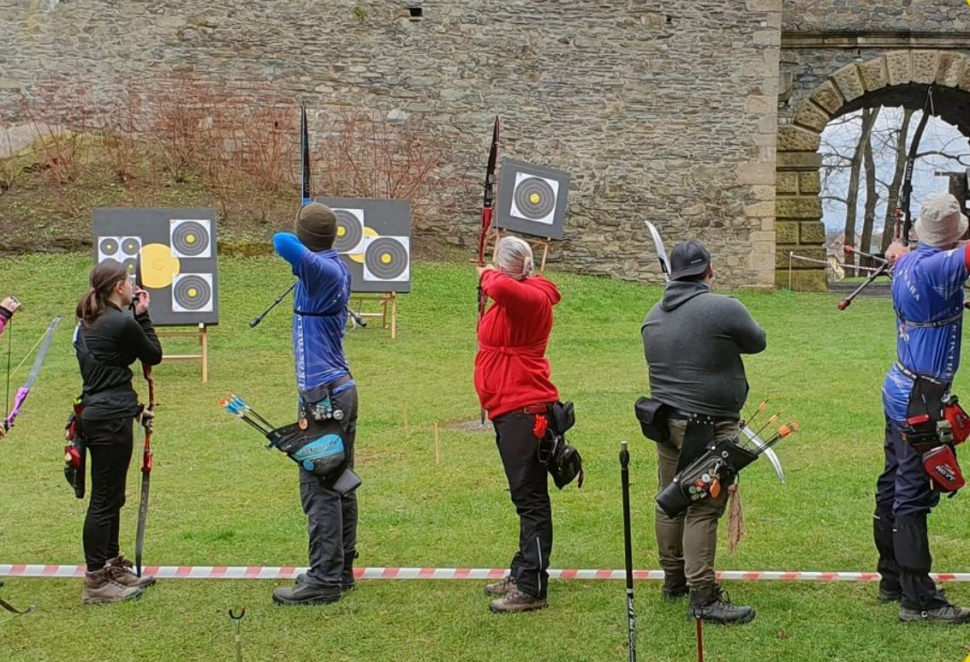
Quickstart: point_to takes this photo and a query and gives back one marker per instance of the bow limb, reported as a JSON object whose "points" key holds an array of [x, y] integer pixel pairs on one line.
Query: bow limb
{"points": [[764, 449], [907, 192], [661, 251], [21, 396]]}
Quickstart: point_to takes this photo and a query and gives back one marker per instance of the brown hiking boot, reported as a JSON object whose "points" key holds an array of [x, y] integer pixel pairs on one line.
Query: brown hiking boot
{"points": [[123, 572], [500, 588], [516, 601], [100, 587]]}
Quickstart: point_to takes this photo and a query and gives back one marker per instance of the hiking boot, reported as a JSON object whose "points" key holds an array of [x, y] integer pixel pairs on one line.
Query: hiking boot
{"points": [[674, 591], [123, 572], [101, 587], [500, 588], [344, 586], [948, 615], [516, 601], [304, 594], [712, 605]]}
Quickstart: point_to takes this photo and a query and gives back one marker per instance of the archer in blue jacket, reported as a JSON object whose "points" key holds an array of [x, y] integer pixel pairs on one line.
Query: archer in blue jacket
{"points": [[323, 378]]}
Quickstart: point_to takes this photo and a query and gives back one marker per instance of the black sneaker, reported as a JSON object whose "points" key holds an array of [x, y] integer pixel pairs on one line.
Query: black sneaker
{"points": [[948, 615], [303, 594], [515, 601], [713, 605], [500, 588]]}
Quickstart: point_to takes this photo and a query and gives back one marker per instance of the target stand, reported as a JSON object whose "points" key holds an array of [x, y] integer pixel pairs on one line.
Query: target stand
{"points": [[202, 333], [385, 301]]}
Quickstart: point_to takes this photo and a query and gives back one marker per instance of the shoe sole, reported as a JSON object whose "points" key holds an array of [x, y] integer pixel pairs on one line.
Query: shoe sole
{"points": [[740, 621], [297, 603], [920, 619], [517, 610], [106, 601]]}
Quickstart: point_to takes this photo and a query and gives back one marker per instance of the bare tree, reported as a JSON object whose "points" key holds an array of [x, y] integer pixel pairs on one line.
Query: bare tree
{"points": [[869, 117]]}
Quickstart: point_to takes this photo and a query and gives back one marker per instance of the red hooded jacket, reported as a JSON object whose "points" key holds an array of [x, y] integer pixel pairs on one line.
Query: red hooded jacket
{"points": [[511, 369]]}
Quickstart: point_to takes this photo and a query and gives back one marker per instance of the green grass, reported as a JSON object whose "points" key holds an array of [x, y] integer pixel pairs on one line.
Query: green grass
{"points": [[219, 498]]}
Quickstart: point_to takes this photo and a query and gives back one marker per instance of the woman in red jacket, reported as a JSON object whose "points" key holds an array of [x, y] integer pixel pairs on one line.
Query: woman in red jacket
{"points": [[513, 385]]}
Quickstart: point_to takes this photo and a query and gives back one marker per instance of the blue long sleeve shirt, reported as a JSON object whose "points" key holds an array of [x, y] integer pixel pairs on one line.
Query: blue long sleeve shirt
{"points": [[319, 313]]}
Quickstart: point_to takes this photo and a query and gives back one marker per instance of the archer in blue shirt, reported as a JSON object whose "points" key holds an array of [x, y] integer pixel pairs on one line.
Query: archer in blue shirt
{"points": [[928, 298], [322, 376]]}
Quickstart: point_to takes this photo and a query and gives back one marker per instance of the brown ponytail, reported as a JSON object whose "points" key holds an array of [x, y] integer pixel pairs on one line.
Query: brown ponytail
{"points": [[103, 278]]}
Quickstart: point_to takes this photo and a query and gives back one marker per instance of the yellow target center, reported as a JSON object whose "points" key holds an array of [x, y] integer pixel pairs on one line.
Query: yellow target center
{"points": [[190, 238], [534, 198], [341, 231], [158, 266], [386, 258], [193, 292]]}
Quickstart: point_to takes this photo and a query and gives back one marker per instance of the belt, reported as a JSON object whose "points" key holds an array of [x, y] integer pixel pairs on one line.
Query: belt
{"points": [[340, 381], [534, 409], [679, 414], [914, 375]]}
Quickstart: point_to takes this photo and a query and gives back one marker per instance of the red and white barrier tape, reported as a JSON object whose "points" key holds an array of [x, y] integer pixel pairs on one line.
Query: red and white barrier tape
{"points": [[288, 572]]}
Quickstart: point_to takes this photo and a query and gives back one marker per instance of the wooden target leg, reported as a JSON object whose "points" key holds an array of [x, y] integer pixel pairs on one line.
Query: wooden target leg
{"points": [[393, 315], [204, 341], [545, 252]]}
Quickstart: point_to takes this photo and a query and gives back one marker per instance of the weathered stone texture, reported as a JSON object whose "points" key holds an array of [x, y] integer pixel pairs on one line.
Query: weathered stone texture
{"points": [[661, 113], [876, 15]]}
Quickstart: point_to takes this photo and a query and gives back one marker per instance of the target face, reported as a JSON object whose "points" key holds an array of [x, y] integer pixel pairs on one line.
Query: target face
{"points": [[350, 231], [192, 293], [118, 249], [387, 259], [191, 238], [534, 198]]}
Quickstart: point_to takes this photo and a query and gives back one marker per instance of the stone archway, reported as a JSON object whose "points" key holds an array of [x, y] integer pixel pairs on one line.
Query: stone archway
{"points": [[895, 78]]}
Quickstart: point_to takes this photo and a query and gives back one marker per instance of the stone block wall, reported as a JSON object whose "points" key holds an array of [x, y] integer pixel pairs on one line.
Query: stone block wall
{"points": [[661, 111]]}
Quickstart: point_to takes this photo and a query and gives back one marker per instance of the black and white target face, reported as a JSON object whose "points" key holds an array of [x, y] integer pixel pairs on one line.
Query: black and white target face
{"points": [[130, 247], [109, 248], [191, 238], [534, 198], [192, 293], [387, 259], [350, 231]]}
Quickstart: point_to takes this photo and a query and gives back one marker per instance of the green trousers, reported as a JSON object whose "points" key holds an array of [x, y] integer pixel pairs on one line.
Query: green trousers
{"points": [[687, 544]]}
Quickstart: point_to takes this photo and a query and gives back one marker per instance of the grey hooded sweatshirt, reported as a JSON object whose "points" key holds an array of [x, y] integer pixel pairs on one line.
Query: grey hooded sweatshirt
{"points": [[693, 340]]}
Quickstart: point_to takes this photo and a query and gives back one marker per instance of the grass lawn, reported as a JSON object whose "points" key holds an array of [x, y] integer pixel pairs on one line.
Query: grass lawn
{"points": [[219, 498]]}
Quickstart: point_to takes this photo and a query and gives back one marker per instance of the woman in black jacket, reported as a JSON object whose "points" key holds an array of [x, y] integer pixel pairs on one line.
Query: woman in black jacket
{"points": [[113, 331]]}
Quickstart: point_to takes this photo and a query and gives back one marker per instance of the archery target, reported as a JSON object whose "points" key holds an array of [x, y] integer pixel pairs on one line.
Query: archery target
{"points": [[190, 238], [192, 293], [172, 252], [350, 231], [119, 249], [534, 198], [387, 259]]}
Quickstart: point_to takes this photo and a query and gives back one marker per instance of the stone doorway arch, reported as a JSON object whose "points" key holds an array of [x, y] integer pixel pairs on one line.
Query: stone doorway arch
{"points": [[897, 78]]}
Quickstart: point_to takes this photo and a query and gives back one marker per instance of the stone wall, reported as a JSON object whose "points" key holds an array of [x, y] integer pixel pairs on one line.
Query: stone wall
{"points": [[661, 111], [876, 15]]}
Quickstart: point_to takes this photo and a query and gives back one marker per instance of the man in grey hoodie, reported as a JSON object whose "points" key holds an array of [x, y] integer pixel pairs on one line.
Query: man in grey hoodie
{"points": [[693, 340]]}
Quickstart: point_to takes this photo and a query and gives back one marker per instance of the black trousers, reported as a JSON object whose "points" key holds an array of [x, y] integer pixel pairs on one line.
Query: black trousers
{"points": [[332, 518], [110, 445], [904, 500], [529, 488]]}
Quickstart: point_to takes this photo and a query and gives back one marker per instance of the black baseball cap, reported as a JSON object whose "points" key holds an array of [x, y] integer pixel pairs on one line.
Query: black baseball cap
{"points": [[689, 258]]}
